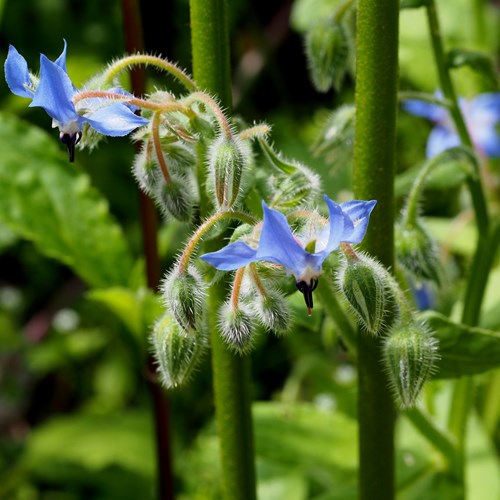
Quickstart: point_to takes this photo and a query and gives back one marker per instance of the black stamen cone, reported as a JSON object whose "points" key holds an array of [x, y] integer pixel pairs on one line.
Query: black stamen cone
{"points": [[307, 290], [71, 140]]}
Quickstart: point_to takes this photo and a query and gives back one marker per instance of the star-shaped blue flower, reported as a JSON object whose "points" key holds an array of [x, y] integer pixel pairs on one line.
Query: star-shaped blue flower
{"points": [[481, 115], [347, 223], [54, 92]]}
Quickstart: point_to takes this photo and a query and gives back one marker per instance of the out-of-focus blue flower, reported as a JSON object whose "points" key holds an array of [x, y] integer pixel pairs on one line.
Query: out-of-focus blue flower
{"points": [[54, 92], [481, 115], [301, 255]]}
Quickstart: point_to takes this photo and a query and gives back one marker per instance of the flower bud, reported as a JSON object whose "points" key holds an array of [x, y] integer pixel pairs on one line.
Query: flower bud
{"points": [[145, 171], [294, 184], [184, 296], [177, 198], [327, 51], [227, 161], [236, 327], [176, 351], [362, 283], [410, 353], [273, 311], [417, 252]]}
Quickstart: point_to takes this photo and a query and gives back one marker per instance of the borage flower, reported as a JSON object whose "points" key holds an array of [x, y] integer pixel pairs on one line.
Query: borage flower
{"points": [[301, 256], [481, 115], [55, 93]]}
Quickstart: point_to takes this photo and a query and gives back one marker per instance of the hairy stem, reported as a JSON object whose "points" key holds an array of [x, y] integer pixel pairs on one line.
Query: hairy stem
{"points": [[374, 152]]}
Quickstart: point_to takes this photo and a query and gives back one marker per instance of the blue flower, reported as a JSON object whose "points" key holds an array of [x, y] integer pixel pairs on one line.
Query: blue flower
{"points": [[301, 256], [481, 115], [54, 92]]}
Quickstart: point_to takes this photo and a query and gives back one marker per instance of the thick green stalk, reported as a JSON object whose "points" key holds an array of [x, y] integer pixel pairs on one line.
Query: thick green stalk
{"points": [[374, 160], [231, 372]]}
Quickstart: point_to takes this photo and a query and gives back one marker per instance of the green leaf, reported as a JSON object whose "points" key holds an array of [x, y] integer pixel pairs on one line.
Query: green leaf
{"points": [[478, 61], [464, 350], [50, 202], [111, 455], [446, 175]]}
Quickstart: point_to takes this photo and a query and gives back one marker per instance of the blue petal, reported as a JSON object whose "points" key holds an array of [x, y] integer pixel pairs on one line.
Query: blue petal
{"points": [[61, 60], [487, 140], [17, 74], [278, 245], [115, 120], [54, 93], [439, 140], [427, 110], [231, 257], [486, 104], [359, 212], [337, 227]]}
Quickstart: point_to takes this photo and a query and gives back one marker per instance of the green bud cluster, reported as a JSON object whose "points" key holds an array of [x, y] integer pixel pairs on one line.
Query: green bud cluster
{"points": [[236, 327], [362, 282], [176, 198], [175, 350], [184, 296], [327, 51], [228, 162], [410, 355], [292, 184], [417, 251], [272, 311]]}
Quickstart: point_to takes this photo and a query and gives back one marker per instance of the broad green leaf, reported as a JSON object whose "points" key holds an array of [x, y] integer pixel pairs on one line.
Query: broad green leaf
{"points": [[446, 175], [464, 350], [45, 199], [137, 309], [110, 455], [420, 467]]}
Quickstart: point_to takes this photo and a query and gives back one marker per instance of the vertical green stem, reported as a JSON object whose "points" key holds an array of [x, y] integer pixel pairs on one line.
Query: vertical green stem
{"points": [[161, 412], [374, 160], [231, 372]]}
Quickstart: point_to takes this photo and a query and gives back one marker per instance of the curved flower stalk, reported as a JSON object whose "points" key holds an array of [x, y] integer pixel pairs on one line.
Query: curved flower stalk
{"points": [[55, 93], [301, 255], [481, 114]]}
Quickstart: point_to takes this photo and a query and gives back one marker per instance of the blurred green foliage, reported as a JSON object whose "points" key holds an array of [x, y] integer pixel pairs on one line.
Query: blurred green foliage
{"points": [[75, 414]]}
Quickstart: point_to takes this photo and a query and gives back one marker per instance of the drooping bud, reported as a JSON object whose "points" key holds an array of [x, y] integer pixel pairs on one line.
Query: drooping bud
{"points": [[176, 351], [184, 296], [227, 161], [146, 172], [176, 198], [410, 354], [362, 282], [327, 51], [294, 184], [236, 327], [335, 138], [273, 311], [417, 252]]}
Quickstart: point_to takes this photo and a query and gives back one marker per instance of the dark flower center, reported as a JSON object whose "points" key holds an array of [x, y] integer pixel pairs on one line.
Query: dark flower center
{"points": [[71, 140], [307, 290]]}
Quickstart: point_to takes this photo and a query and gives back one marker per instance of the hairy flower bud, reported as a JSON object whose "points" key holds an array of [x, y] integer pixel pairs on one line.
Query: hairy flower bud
{"points": [[236, 327], [145, 171], [177, 198], [417, 252], [273, 311], [184, 296], [227, 161], [327, 51], [176, 351], [294, 184], [410, 354], [362, 283]]}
